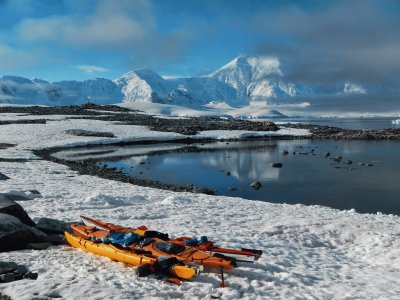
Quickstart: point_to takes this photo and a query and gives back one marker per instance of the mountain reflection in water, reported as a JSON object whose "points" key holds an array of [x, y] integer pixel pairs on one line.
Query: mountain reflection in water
{"points": [[365, 179]]}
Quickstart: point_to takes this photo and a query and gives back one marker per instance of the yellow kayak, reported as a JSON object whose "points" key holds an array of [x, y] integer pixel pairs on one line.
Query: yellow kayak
{"points": [[127, 256]]}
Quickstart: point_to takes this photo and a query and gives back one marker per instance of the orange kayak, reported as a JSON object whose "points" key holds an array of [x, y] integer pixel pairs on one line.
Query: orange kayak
{"points": [[243, 254], [128, 256], [159, 248]]}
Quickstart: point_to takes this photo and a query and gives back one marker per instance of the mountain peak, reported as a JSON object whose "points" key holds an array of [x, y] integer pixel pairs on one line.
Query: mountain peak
{"points": [[15, 79], [256, 64]]}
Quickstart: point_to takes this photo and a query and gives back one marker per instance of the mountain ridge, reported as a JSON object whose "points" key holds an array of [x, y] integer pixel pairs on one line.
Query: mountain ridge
{"points": [[244, 80]]}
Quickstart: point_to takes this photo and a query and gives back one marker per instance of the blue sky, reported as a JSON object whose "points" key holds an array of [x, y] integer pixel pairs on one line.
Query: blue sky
{"points": [[315, 40]]}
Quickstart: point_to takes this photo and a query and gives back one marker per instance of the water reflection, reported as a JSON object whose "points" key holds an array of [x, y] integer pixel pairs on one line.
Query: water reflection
{"points": [[365, 179]]}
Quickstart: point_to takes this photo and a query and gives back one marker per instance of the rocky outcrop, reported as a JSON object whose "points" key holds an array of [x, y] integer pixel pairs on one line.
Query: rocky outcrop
{"points": [[10, 207], [15, 235], [18, 231]]}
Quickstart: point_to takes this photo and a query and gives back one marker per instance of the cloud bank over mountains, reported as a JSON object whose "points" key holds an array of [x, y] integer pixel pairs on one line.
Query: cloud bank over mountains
{"points": [[246, 80], [354, 41]]}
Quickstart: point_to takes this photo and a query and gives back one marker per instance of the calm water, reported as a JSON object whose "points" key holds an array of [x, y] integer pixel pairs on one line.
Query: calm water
{"points": [[369, 184], [348, 123]]}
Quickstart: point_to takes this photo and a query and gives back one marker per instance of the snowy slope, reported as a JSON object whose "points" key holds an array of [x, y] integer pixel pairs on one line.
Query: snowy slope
{"points": [[244, 80], [18, 90], [258, 78], [148, 86], [310, 252]]}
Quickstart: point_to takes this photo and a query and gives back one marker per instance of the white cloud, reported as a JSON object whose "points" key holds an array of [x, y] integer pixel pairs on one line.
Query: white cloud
{"points": [[108, 25], [352, 88], [91, 69], [11, 58]]}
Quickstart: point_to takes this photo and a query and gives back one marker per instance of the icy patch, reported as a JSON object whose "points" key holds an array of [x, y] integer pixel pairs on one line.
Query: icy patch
{"points": [[396, 122], [102, 200], [174, 200]]}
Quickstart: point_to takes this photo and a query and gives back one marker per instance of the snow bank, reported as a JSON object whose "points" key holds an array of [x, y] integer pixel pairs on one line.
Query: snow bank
{"points": [[310, 252]]}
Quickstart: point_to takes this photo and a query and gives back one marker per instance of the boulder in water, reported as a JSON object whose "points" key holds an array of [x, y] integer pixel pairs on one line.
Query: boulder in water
{"points": [[255, 185]]}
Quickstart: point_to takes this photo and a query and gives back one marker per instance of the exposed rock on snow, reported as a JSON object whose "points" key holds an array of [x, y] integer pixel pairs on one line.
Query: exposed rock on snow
{"points": [[3, 177], [51, 226], [10, 207], [10, 271], [82, 132], [16, 235]]}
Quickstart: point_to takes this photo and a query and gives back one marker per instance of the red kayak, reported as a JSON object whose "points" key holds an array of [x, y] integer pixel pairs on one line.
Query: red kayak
{"points": [[243, 255]]}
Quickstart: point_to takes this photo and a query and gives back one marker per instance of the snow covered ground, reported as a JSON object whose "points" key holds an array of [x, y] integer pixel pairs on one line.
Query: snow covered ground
{"points": [[310, 252]]}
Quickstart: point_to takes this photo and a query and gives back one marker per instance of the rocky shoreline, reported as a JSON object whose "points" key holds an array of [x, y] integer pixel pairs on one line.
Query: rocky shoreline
{"points": [[189, 125], [186, 126]]}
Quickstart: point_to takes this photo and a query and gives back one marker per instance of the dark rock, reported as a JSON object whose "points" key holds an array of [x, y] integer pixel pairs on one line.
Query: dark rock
{"points": [[4, 297], [203, 191], [8, 277], [35, 192], [337, 159], [48, 225], [349, 162], [57, 239], [10, 207], [228, 173], [3, 177], [81, 132], [15, 235], [277, 165], [8, 267], [369, 165], [285, 152], [256, 185], [327, 154], [10, 271]]}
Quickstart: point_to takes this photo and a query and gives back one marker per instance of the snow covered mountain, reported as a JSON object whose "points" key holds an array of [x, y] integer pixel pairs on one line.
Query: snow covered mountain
{"points": [[18, 90], [258, 78], [245, 80]]}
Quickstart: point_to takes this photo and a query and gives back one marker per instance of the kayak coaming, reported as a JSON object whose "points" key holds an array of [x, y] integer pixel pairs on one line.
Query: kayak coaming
{"points": [[125, 256]]}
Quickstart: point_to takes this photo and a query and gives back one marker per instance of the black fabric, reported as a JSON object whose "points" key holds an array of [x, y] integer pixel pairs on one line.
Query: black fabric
{"points": [[165, 264], [157, 234], [145, 242], [169, 247]]}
